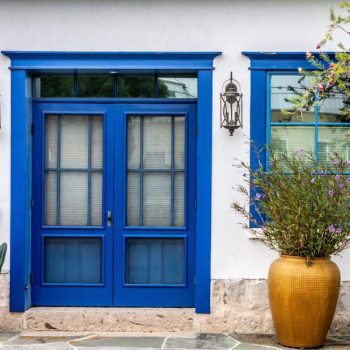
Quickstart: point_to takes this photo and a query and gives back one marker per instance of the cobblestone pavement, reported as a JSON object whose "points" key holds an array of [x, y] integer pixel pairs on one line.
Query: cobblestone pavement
{"points": [[123, 341]]}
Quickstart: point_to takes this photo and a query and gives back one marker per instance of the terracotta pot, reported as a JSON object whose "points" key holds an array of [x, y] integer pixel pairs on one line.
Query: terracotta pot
{"points": [[303, 299]]}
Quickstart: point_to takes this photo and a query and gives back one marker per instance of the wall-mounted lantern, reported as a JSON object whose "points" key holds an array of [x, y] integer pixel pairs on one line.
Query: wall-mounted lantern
{"points": [[231, 117]]}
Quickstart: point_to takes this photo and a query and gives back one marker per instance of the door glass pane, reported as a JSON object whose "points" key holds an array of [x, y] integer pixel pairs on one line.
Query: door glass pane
{"points": [[73, 170], [133, 206], [157, 199], [179, 199], [96, 198], [134, 139], [74, 141], [179, 143], [72, 260], [156, 171], [51, 141], [51, 198], [74, 198], [96, 142], [157, 143], [155, 261]]}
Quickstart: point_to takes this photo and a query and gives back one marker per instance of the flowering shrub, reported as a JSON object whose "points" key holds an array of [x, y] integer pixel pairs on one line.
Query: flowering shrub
{"points": [[302, 208], [330, 76]]}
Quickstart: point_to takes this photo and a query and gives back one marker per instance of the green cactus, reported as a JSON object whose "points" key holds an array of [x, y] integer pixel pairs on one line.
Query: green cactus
{"points": [[3, 249]]}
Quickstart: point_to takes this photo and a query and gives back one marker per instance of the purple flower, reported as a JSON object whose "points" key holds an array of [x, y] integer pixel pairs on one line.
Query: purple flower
{"points": [[338, 230], [341, 185], [348, 180], [313, 180], [330, 193], [347, 162], [331, 228], [258, 196], [335, 161], [337, 177], [271, 162], [301, 151], [244, 174]]}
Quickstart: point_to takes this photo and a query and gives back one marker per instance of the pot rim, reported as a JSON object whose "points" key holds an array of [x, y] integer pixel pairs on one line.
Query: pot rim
{"points": [[302, 257]]}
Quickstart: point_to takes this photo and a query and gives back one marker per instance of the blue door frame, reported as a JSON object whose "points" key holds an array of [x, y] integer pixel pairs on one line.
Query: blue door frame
{"points": [[23, 64]]}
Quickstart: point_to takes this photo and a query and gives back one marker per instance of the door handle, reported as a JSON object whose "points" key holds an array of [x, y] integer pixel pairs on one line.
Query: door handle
{"points": [[109, 218]]}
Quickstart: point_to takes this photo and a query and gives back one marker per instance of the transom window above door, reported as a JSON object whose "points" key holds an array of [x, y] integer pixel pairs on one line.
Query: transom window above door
{"points": [[117, 85]]}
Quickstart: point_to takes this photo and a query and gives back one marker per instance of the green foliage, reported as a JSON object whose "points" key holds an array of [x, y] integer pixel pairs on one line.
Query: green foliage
{"points": [[304, 207], [3, 249], [331, 75]]}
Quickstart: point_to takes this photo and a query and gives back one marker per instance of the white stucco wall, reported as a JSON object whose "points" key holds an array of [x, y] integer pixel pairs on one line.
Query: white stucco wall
{"points": [[230, 26]]}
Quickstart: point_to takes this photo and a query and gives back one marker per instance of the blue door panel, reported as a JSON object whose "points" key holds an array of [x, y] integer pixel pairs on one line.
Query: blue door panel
{"points": [[113, 264]]}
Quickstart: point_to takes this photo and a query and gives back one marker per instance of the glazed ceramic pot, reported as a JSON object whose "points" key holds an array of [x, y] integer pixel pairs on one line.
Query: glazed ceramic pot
{"points": [[303, 299]]}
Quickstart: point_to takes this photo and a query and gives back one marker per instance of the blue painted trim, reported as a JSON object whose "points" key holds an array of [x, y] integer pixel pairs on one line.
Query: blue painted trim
{"points": [[21, 177], [33, 60], [203, 191]]}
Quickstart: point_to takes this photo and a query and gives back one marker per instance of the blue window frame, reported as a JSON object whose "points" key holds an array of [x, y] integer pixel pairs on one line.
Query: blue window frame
{"points": [[23, 66], [267, 69]]}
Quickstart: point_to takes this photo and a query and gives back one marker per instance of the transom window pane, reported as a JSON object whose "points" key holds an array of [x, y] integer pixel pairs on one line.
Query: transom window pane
{"points": [[73, 170], [131, 84], [156, 171]]}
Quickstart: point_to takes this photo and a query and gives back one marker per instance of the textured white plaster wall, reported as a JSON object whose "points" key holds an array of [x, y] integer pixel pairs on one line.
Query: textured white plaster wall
{"points": [[230, 26]]}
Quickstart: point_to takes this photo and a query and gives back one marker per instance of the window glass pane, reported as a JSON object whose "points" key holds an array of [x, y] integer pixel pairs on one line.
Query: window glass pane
{"points": [[97, 142], [54, 85], [291, 139], [179, 199], [133, 198], [72, 260], [136, 86], [177, 86], [330, 110], [155, 261], [50, 198], [134, 139], [280, 91], [333, 139], [96, 198], [74, 198], [97, 85], [157, 143], [51, 141], [74, 141], [156, 199], [179, 142]]}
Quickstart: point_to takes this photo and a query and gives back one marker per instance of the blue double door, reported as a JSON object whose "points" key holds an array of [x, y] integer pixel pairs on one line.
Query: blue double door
{"points": [[113, 212]]}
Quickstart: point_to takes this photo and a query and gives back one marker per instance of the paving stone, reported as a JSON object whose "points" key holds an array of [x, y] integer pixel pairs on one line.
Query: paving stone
{"points": [[201, 341], [119, 342], [5, 336], [57, 346], [34, 340], [244, 346]]}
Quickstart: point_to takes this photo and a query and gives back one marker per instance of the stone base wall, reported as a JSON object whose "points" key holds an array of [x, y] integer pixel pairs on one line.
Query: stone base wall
{"points": [[238, 305]]}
